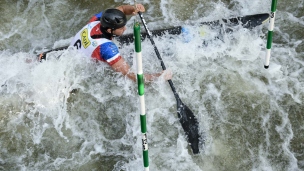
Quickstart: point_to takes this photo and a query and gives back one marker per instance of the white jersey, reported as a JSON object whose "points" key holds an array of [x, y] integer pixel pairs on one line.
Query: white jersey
{"points": [[100, 48]]}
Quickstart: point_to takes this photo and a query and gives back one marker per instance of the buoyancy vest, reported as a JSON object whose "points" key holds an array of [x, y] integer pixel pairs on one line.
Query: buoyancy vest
{"points": [[106, 49]]}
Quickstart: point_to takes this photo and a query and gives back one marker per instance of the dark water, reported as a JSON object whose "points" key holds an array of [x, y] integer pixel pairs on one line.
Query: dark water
{"points": [[252, 118]]}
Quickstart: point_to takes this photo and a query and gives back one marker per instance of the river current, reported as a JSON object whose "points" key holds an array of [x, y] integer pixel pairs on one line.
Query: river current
{"points": [[73, 114]]}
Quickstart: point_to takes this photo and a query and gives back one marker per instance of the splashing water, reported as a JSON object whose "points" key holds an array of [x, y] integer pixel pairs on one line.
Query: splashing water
{"points": [[72, 113]]}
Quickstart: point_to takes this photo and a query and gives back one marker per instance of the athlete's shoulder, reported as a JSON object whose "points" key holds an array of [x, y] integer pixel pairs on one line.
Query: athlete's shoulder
{"points": [[108, 49], [96, 17]]}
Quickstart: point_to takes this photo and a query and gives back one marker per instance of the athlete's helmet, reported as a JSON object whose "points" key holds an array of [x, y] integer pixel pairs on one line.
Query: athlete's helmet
{"points": [[113, 19]]}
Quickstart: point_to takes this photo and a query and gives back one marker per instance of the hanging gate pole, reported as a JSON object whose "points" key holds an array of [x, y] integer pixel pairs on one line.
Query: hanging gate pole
{"points": [[270, 32], [141, 92]]}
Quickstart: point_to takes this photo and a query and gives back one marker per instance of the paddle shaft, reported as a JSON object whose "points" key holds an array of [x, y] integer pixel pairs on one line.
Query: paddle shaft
{"points": [[187, 118], [149, 35]]}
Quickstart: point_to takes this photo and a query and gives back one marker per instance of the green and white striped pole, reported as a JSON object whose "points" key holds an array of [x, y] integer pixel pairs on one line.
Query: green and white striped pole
{"points": [[141, 92], [270, 32]]}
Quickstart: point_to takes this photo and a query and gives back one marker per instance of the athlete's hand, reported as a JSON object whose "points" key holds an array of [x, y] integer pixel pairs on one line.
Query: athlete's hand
{"points": [[167, 74], [139, 8]]}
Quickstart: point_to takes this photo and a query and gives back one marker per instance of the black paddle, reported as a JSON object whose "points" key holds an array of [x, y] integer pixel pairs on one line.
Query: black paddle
{"points": [[186, 116]]}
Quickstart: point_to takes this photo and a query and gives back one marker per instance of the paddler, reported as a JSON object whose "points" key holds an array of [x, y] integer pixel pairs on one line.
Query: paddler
{"points": [[95, 40]]}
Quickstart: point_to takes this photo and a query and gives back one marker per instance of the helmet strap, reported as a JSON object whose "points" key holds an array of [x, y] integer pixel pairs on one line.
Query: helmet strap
{"points": [[106, 34], [113, 35]]}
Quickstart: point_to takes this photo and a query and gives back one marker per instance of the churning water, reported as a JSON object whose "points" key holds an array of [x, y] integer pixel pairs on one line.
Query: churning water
{"points": [[75, 114]]}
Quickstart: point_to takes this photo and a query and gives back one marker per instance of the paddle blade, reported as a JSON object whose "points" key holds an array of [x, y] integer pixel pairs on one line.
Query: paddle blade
{"points": [[190, 125]]}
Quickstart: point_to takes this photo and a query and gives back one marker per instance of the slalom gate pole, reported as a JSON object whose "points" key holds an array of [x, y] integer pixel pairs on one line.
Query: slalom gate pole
{"points": [[141, 92], [270, 32]]}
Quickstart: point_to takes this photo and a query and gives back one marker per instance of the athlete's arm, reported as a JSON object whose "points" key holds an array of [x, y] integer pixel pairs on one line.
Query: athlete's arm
{"points": [[123, 67], [127, 9], [131, 10]]}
